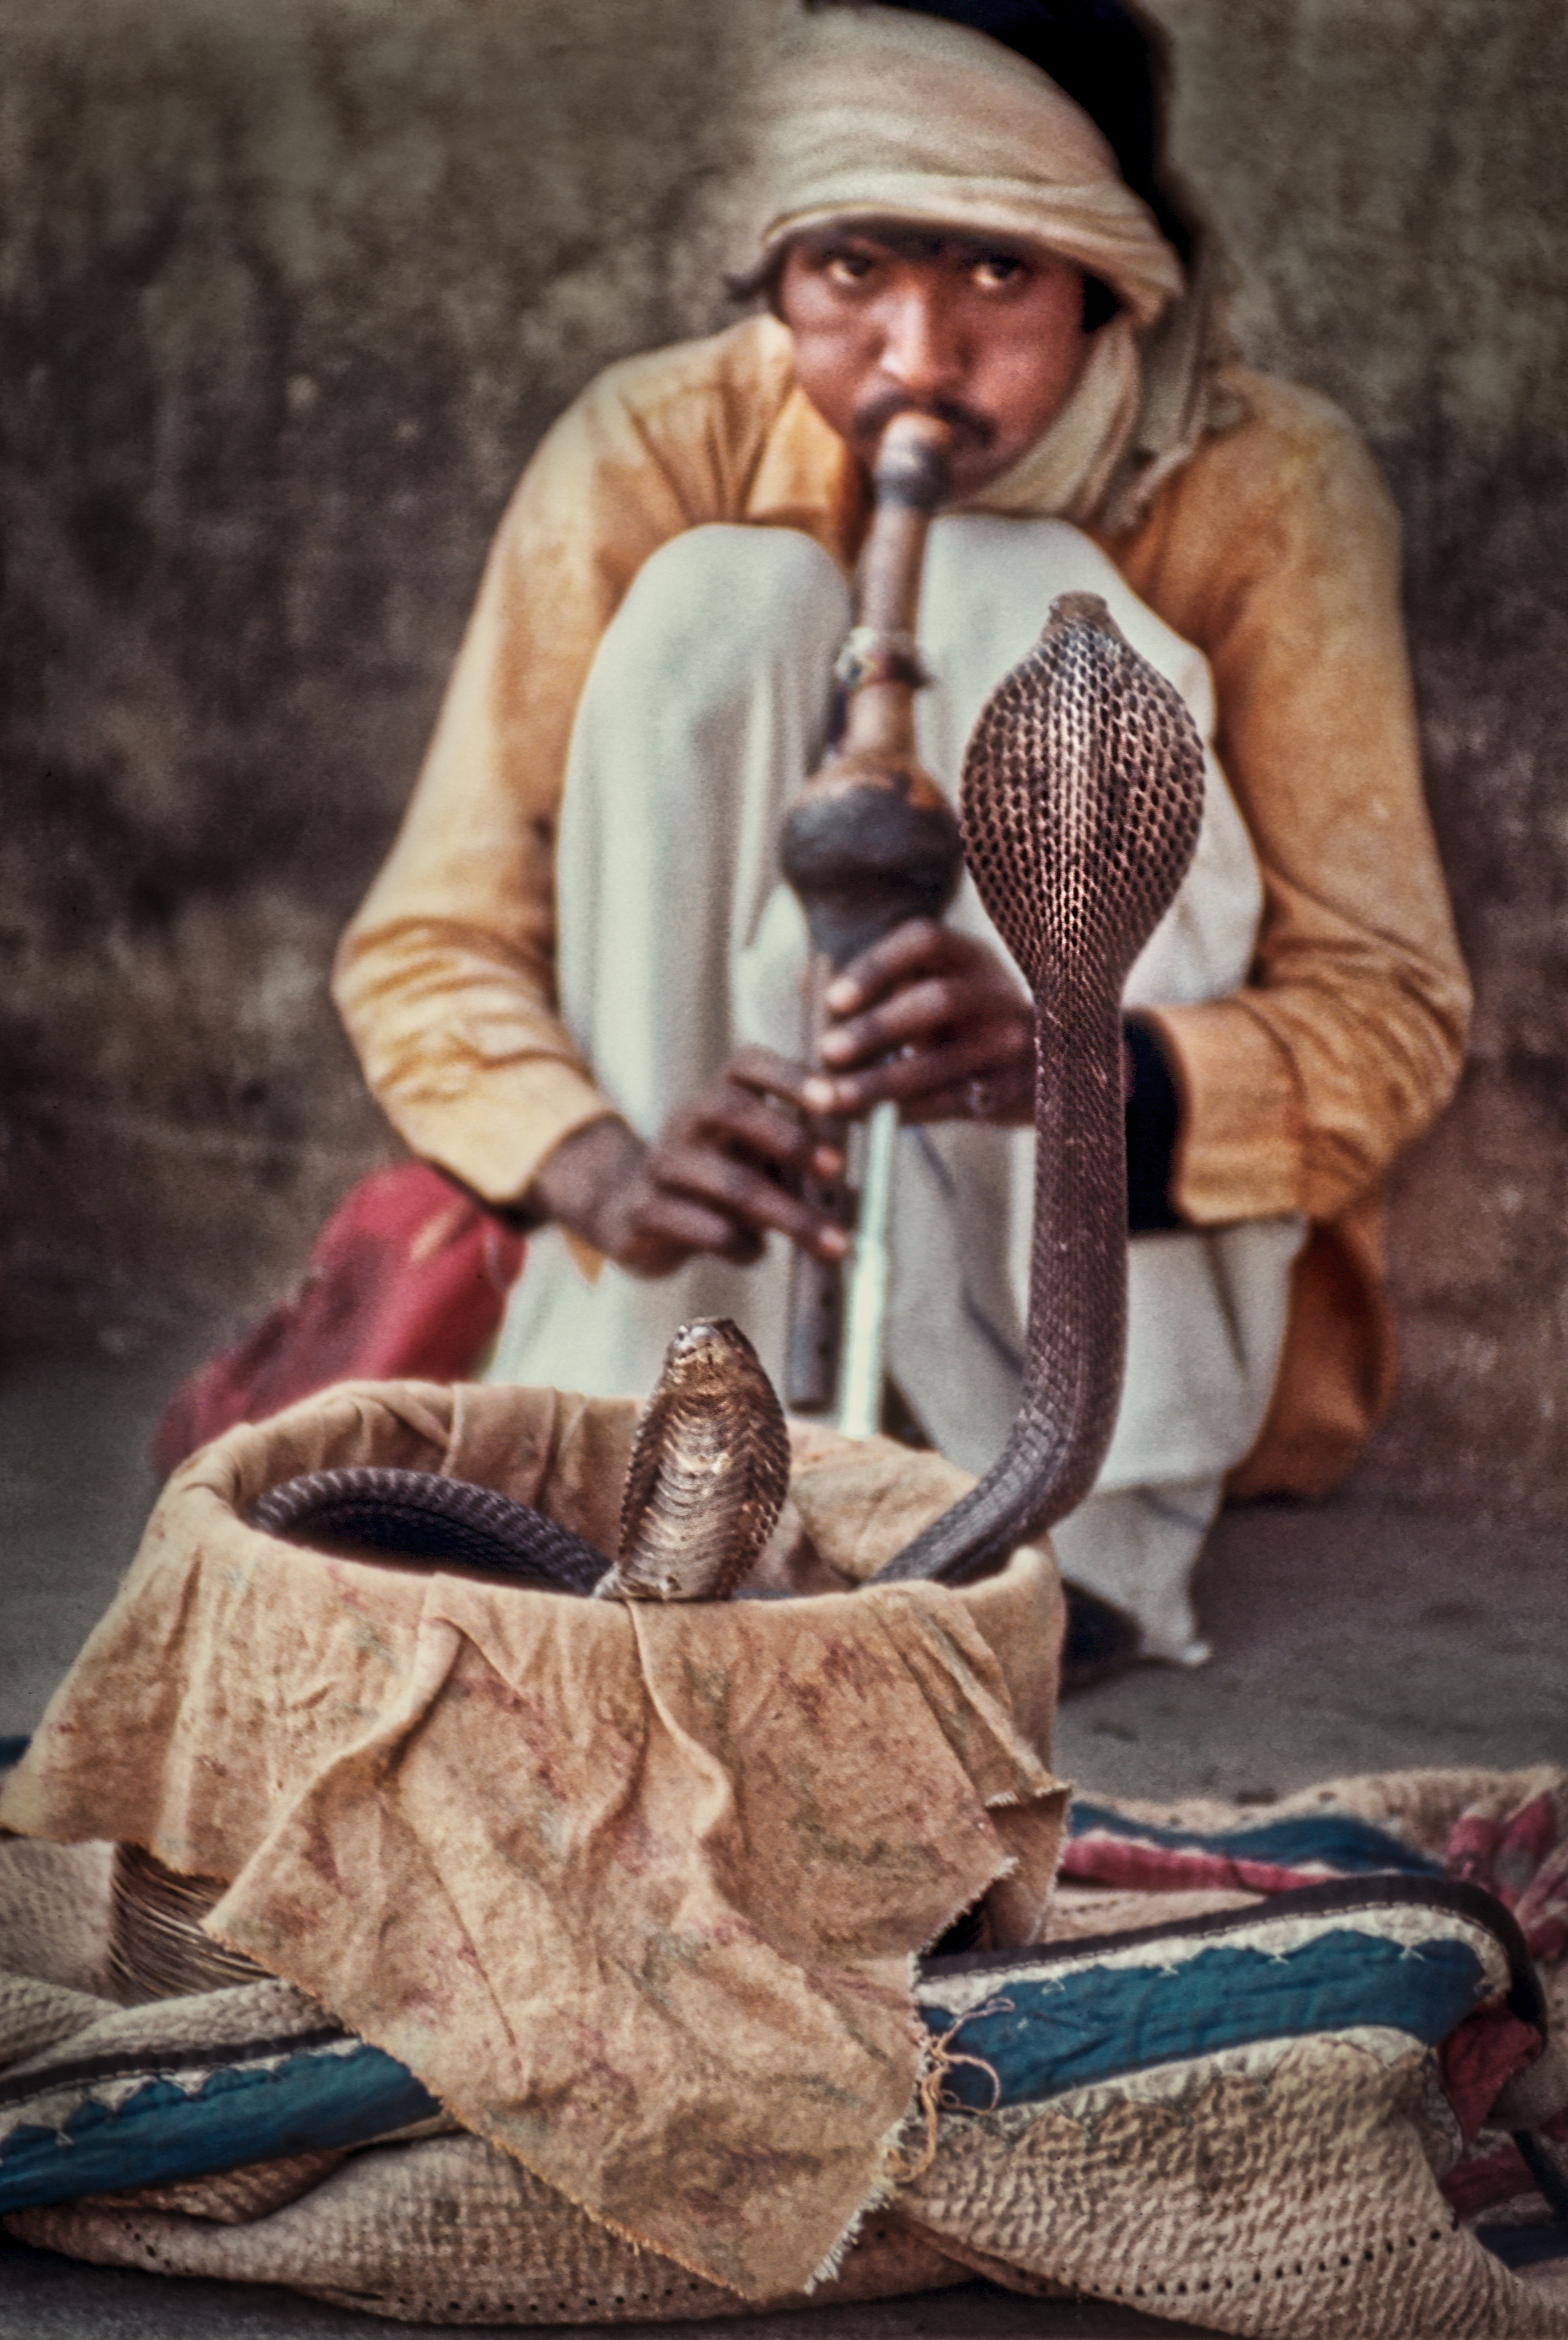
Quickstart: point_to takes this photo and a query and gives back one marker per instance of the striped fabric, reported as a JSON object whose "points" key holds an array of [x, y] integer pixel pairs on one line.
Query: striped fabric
{"points": [[1394, 1961], [1108, 1849], [94, 2124], [1387, 1960]]}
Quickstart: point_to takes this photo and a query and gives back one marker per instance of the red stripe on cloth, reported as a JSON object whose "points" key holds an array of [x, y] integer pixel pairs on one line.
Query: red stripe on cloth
{"points": [[1163, 1868], [1504, 1855], [1479, 2054], [1543, 1908]]}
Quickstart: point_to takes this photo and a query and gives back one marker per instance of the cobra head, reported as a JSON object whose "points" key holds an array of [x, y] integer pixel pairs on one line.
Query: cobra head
{"points": [[712, 1353], [1082, 798]]}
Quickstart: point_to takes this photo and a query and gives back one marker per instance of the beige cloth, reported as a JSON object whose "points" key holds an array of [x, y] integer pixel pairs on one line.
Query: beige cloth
{"points": [[440, 2227], [636, 1891]]}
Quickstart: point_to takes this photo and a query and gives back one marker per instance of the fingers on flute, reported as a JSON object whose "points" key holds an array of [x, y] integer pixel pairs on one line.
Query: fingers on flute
{"points": [[735, 1117], [668, 1227], [936, 1083], [919, 947], [787, 1138], [765, 1073], [741, 1149], [743, 1197], [950, 1007], [920, 985]]}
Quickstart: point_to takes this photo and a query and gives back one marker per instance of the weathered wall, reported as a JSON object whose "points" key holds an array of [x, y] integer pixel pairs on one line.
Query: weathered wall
{"points": [[1391, 175], [285, 298]]}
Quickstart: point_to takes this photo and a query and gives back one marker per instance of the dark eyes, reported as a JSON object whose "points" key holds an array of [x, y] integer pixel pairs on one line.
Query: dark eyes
{"points": [[987, 272], [995, 268]]}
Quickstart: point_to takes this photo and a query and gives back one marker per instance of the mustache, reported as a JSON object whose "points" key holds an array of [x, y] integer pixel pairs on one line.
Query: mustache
{"points": [[967, 427]]}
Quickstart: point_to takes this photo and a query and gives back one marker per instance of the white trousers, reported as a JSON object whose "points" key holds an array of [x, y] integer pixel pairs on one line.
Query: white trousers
{"points": [[706, 706]]}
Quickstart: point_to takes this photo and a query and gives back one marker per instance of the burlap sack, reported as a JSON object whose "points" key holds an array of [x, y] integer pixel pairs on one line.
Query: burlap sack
{"points": [[635, 1891], [1289, 2200], [453, 2232], [448, 2229], [1286, 2189]]}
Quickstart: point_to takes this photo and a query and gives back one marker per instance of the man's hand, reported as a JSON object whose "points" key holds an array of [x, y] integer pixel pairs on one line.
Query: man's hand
{"points": [[718, 1178], [926, 1016], [933, 1019]]}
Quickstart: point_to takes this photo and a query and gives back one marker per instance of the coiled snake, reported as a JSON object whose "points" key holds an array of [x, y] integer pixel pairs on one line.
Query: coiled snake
{"points": [[1082, 798], [709, 1472]]}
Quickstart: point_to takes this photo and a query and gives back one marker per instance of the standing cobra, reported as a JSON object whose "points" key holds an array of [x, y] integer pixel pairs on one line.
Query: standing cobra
{"points": [[708, 1475], [1082, 798]]}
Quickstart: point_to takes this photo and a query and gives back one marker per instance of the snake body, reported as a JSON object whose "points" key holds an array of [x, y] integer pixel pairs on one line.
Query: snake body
{"points": [[1082, 799], [709, 1472], [422, 1515]]}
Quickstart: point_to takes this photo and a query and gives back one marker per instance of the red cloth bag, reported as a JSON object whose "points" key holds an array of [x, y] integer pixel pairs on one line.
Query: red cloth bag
{"points": [[408, 1279]]}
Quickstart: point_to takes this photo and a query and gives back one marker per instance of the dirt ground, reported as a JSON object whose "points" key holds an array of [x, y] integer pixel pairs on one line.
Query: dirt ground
{"points": [[1352, 1636]]}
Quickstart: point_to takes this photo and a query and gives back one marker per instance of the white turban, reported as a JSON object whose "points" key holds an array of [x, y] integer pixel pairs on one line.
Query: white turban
{"points": [[873, 113], [880, 113]]}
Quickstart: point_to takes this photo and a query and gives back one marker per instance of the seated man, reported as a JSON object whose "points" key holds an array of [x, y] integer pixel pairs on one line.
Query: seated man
{"points": [[577, 982]]}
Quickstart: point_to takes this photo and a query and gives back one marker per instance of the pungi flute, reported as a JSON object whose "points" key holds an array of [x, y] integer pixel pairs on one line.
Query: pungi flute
{"points": [[871, 841]]}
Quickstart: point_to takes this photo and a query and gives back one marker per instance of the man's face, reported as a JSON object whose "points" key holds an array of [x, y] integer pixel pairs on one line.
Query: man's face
{"points": [[989, 334]]}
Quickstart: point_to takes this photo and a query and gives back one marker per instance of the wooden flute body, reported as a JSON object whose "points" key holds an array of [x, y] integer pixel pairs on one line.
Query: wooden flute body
{"points": [[871, 841]]}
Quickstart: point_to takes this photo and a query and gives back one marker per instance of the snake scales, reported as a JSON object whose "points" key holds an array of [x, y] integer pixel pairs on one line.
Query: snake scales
{"points": [[1082, 798], [709, 1472]]}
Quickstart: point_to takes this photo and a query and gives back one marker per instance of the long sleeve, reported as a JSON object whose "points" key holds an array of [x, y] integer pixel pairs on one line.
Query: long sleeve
{"points": [[1273, 551], [445, 978], [1276, 551]]}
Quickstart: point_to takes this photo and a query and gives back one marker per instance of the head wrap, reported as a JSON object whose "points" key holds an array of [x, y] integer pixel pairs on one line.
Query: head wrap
{"points": [[1110, 57], [875, 112]]}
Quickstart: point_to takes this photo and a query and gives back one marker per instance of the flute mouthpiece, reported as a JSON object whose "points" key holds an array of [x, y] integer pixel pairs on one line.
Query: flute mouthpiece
{"points": [[912, 459]]}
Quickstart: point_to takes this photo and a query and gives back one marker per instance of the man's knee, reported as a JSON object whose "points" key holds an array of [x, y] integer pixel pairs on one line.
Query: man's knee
{"points": [[721, 605]]}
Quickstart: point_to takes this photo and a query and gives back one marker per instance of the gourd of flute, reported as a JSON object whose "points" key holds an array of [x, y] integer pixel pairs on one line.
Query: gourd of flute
{"points": [[870, 842]]}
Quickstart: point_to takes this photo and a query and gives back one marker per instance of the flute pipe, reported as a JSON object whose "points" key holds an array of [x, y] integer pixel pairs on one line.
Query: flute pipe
{"points": [[892, 556], [870, 842], [860, 1413], [910, 480], [815, 1323]]}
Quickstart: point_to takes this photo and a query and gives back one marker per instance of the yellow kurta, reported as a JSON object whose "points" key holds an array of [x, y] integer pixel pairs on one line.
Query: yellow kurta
{"points": [[1273, 551]]}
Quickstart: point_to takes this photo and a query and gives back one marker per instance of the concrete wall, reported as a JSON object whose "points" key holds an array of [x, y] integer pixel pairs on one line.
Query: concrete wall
{"points": [[285, 298], [288, 296]]}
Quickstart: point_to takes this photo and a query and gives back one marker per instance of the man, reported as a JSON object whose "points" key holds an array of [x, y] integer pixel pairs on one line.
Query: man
{"points": [[576, 984]]}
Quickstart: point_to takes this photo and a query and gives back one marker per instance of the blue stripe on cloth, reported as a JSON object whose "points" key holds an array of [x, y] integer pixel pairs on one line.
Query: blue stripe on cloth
{"points": [[1336, 1840], [1069, 2029], [308, 2103], [1519, 2246]]}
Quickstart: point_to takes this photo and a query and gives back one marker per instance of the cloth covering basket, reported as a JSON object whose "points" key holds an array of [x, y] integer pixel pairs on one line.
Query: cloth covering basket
{"points": [[635, 1891]]}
